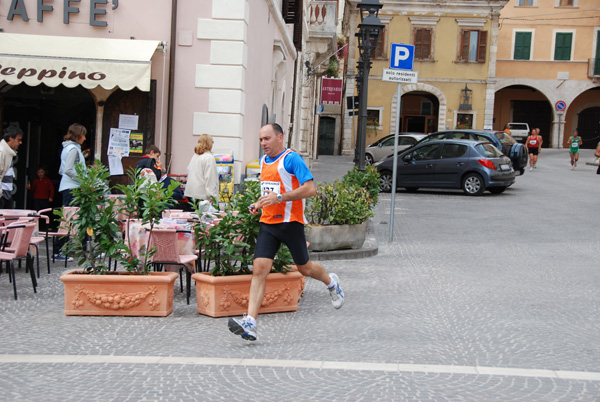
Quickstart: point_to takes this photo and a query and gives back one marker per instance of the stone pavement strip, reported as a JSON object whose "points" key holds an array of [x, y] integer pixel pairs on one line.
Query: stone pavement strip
{"points": [[495, 298]]}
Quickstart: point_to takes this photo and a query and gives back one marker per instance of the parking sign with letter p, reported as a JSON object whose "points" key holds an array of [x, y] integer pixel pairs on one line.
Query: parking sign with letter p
{"points": [[402, 56]]}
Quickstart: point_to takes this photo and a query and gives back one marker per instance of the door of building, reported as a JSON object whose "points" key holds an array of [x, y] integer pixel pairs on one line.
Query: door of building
{"points": [[589, 127], [536, 114], [134, 102], [597, 59], [326, 135]]}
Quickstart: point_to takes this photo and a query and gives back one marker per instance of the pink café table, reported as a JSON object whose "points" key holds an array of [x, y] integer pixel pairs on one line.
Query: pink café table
{"points": [[185, 239]]}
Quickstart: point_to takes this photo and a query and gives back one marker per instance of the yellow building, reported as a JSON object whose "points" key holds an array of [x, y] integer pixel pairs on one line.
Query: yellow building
{"points": [[455, 57], [549, 55]]}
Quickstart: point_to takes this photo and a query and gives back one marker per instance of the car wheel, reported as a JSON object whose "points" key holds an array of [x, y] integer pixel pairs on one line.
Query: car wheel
{"points": [[497, 190], [472, 184], [411, 189], [368, 160], [385, 181]]}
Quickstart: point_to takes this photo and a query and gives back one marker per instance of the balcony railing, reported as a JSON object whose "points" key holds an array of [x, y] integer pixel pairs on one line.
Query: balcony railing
{"points": [[321, 16], [594, 68]]}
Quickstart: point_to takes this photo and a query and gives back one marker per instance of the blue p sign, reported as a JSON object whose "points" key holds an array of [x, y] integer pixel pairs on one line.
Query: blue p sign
{"points": [[402, 56]]}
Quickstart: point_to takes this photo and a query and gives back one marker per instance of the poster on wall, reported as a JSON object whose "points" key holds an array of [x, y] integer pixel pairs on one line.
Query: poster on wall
{"points": [[136, 143], [128, 121], [118, 142], [118, 147]]}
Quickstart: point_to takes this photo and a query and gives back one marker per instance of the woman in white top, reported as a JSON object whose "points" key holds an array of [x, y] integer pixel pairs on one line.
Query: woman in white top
{"points": [[203, 179]]}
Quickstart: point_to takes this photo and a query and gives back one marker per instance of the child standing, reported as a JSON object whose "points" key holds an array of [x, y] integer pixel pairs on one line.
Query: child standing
{"points": [[43, 190]]}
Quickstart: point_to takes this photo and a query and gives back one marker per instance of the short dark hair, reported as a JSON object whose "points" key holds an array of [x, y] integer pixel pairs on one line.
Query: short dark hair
{"points": [[12, 132], [277, 128], [152, 148]]}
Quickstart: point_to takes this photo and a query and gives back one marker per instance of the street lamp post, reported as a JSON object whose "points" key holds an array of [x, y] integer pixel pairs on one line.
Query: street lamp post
{"points": [[368, 33]]}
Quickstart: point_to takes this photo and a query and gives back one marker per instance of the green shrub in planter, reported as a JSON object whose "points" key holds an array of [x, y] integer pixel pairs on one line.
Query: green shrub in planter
{"points": [[348, 202], [229, 246]]}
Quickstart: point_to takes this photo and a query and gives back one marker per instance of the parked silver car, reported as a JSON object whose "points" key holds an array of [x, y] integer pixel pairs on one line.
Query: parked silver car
{"points": [[384, 147]]}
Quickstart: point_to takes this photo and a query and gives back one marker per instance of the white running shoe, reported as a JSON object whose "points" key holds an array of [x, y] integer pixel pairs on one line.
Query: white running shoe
{"points": [[336, 293], [243, 327], [575, 164], [531, 169]]}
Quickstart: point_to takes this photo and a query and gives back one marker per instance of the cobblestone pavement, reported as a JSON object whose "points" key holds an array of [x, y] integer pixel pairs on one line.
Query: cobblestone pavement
{"points": [[493, 298]]}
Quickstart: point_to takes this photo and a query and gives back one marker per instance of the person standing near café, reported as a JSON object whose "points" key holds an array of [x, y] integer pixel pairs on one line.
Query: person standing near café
{"points": [[13, 137], [285, 183], [203, 178], [574, 143], [70, 156], [43, 190], [533, 144]]}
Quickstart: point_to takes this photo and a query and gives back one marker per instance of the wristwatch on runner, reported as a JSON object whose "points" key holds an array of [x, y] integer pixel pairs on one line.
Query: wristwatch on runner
{"points": [[279, 198]]}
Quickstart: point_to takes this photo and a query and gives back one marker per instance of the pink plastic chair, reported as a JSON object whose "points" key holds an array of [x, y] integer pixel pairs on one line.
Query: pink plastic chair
{"points": [[21, 236], [165, 242], [64, 229]]}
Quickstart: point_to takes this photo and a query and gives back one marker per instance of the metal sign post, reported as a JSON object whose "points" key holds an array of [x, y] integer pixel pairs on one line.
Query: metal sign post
{"points": [[401, 65], [395, 164]]}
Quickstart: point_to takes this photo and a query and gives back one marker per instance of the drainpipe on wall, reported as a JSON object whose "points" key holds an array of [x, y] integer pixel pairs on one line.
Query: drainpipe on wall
{"points": [[171, 85]]}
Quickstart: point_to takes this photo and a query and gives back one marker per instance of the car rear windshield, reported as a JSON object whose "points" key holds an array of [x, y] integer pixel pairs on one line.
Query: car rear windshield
{"points": [[504, 138], [488, 150]]}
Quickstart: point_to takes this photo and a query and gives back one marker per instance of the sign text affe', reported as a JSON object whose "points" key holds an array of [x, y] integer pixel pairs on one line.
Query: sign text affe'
{"points": [[18, 9]]}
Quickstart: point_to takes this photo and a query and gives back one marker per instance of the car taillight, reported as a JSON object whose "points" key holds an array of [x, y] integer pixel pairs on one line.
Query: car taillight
{"points": [[487, 163]]}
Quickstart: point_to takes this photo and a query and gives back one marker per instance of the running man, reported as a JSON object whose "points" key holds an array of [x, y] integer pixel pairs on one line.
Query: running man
{"points": [[574, 143], [285, 183], [534, 143]]}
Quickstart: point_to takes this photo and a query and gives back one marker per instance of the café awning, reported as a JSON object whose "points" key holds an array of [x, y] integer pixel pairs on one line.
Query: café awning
{"points": [[73, 61]]}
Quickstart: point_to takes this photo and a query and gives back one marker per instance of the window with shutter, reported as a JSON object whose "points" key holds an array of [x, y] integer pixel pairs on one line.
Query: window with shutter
{"points": [[566, 3], [522, 45], [562, 48], [473, 46], [379, 52], [482, 47], [597, 59], [422, 41]]}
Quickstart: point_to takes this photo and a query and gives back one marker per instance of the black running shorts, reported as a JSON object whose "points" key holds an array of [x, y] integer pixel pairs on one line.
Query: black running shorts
{"points": [[291, 234], [533, 150]]}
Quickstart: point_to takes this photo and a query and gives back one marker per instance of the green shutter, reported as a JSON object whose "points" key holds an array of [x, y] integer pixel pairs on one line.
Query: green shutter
{"points": [[597, 60], [562, 50], [522, 46]]}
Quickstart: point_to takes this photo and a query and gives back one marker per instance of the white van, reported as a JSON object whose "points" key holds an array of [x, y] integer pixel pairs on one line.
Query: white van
{"points": [[519, 131]]}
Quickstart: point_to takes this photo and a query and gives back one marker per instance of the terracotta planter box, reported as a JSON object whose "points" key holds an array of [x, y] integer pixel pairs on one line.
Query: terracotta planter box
{"points": [[223, 296], [336, 237], [122, 294]]}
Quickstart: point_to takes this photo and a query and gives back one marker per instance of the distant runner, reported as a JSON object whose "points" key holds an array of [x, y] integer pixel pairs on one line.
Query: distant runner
{"points": [[534, 143], [574, 143]]}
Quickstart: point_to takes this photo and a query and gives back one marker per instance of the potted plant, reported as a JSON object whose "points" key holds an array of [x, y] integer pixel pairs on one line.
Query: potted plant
{"points": [[339, 212], [95, 238], [227, 245]]}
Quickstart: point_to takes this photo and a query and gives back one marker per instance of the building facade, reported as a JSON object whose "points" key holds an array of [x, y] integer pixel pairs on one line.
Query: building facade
{"points": [[455, 57], [168, 70], [548, 69]]}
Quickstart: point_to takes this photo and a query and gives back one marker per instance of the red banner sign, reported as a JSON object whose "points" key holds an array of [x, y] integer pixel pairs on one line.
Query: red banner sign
{"points": [[331, 91]]}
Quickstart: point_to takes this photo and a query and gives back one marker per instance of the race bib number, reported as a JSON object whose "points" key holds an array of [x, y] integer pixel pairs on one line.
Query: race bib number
{"points": [[533, 142], [273, 186], [575, 144]]}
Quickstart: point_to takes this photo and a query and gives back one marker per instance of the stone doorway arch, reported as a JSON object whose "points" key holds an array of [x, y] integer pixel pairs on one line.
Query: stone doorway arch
{"points": [[420, 87]]}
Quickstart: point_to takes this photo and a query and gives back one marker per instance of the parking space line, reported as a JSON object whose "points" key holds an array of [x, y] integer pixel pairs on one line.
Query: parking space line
{"points": [[302, 364]]}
